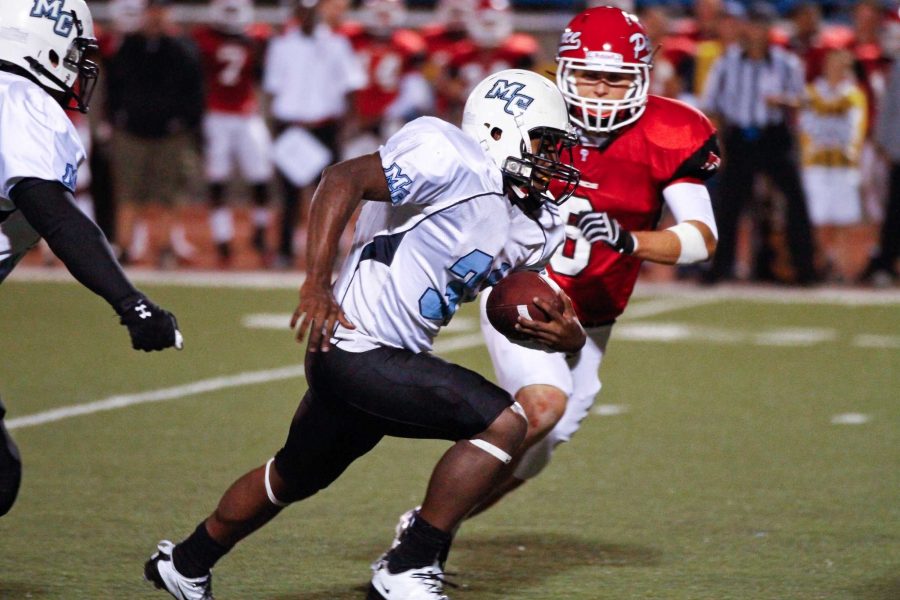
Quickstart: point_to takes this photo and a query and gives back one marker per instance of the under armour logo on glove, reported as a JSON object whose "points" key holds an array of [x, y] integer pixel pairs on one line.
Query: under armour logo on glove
{"points": [[600, 227], [150, 327]]}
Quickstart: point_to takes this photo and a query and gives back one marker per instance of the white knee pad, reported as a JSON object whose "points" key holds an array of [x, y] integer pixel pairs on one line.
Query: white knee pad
{"points": [[274, 500]]}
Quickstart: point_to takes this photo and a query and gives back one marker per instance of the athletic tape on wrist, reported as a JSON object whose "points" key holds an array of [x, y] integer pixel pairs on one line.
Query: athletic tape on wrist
{"points": [[693, 246], [492, 450], [269, 491]]}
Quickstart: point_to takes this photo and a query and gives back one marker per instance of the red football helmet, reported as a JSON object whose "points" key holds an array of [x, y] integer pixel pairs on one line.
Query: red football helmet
{"points": [[491, 23], [231, 16], [612, 41], [382, 17]]}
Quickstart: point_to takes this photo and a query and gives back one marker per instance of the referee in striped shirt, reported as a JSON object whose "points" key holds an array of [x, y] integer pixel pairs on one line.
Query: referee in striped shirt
{"points": [[751, 92]]}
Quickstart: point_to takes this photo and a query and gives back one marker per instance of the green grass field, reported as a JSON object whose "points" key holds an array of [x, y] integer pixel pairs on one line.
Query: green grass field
{"points": [[714, 471]]}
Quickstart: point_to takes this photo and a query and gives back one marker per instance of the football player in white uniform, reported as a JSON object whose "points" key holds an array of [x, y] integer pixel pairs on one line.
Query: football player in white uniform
{"points": [[448, 213], [45, 67]]}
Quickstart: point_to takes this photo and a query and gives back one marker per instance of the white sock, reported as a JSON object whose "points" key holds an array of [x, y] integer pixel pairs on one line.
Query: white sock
{"points": [[180, 244], [140, 239], [221, 224], [261, 217]]}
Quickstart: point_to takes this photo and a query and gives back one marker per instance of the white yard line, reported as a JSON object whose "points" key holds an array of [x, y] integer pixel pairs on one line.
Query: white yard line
{"points": [[658, 306], [160, 395]]}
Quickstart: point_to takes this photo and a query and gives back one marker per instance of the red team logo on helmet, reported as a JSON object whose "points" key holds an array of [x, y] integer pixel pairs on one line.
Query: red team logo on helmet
{"points": [[606, 40]]}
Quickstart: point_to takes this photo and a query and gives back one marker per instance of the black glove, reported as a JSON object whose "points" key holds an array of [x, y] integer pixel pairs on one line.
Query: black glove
{"points": [[150, 327], [600, 227]]}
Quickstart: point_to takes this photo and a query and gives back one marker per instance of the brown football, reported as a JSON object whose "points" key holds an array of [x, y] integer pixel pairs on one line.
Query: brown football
{"points": [[514, 295]]}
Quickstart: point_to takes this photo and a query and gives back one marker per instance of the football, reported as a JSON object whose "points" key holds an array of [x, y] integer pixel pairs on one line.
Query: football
{"points": [[513, 296]]}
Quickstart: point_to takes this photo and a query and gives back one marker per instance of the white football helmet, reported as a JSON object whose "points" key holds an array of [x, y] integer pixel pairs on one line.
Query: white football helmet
{"points": [[50, 42], [507, 113], [231, 16]]}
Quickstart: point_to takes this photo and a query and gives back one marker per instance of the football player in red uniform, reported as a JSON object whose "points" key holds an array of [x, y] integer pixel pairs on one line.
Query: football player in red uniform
{"points": [[392, 57], [638, 154], [233, 127], [490, 46]]}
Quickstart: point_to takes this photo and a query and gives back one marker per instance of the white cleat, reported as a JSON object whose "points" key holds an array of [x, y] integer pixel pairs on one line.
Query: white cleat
{"points": [[403, 523], [426, 583], [160, 571]]}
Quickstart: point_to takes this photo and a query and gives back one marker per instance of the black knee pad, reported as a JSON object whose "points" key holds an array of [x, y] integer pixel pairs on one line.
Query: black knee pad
{"points": [[10, 467]]}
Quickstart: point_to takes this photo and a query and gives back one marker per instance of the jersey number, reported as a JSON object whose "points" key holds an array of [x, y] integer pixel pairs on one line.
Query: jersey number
{"points": [[572, 258], [474, 272], [233, 59]]}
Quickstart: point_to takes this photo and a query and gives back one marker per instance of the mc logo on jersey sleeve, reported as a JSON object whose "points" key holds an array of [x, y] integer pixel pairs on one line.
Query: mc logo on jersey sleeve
{"points": [[511, 93], [70, 177], [398, 183]]}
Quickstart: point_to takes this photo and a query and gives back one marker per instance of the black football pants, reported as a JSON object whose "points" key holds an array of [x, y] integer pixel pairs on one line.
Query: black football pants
{"points": [[10, 467]]}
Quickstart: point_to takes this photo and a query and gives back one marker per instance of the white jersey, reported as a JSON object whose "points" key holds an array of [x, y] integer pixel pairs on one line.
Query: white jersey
{"points": [[37, 140], [448, 232]]}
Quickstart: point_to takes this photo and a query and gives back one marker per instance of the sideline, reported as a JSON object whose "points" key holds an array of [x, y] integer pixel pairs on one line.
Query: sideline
{"points": [[845, 296]]}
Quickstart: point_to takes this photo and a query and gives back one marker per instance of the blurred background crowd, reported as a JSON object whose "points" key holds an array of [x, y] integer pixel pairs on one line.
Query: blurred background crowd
{"points": [[216, 118]]}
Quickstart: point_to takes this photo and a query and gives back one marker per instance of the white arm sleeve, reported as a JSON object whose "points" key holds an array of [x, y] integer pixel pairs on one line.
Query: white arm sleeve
{"points": [[690, 202]]}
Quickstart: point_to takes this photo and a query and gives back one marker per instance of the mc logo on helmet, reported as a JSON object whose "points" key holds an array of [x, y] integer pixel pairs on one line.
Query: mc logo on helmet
{"points": [[511, 93], [52, 9]]}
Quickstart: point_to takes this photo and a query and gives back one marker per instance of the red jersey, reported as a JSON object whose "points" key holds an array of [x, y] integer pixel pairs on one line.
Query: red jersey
{"points": [[439, 42], [231, 68], [625, 177], [472, 63], [386, 60]]}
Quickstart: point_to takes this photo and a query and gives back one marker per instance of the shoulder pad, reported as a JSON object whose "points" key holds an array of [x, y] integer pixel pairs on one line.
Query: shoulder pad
{"points": [[521, 43], [409, 40], [672, 124]]}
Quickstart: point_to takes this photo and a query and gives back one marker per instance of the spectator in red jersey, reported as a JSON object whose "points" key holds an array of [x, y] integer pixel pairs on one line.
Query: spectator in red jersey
{"points": [[492, 46], [806, 39], [450, 28], [155, 100], [234, 131], [397, 91]]}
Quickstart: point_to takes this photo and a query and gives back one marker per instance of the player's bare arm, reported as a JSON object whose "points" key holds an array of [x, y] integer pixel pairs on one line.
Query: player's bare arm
{"points": [[342, 188], [562, 333], [666, 247], [693, 239]]}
